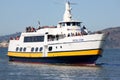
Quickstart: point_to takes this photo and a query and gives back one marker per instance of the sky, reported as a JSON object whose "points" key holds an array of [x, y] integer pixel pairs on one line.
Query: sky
{"points": [[16, 15]]}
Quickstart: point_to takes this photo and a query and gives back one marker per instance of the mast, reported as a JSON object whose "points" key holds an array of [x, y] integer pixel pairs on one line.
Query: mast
{"points": [[67, 15], [67, 18]]}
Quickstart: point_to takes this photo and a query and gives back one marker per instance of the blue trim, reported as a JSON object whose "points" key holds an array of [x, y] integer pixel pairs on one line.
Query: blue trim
{"points": [[70, 59]]}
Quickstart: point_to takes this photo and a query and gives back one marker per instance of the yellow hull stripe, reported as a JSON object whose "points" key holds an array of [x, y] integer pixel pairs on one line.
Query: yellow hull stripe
{"points": [[75, 53], [24, 54], [55, 54]]}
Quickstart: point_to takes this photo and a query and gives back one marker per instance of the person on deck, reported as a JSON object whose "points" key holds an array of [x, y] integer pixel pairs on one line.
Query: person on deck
{"points": [[84, 31]]}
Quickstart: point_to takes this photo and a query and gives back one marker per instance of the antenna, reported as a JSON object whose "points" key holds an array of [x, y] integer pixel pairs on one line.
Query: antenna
{"points": [[38, 24]]}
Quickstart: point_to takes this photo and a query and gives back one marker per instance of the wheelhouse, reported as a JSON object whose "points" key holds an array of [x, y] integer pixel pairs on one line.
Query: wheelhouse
{"points": [[70, 24]]}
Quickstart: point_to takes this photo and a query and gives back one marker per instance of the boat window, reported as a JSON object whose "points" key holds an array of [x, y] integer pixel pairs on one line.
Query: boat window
{"points": [[51, 37], [60, 46], [50, 48], [56, 47], [24, 49], [78, 23], [34, 39], [63, 24], [32, 49], [56, 37], [73, 24], [21, 49], [68, 34], [36, 49], [68, 23], [17, 48], [40, 49]]}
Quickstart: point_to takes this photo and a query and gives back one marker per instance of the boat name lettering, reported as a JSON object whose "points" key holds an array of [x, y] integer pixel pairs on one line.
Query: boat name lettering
{"points": [[78, 40]]}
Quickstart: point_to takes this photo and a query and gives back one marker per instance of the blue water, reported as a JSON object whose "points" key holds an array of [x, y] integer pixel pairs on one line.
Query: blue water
{"points": [[107, 68]]}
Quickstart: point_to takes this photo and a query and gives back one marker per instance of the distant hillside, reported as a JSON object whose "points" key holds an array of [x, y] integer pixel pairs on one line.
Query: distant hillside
{"points": [[112, 41], [7, 37]]}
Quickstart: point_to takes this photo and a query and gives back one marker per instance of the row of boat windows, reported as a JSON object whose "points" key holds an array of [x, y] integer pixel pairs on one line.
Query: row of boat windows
{"points": [[21, 49], [70, 24], [50, 37], [41, 38], [34, 39]]}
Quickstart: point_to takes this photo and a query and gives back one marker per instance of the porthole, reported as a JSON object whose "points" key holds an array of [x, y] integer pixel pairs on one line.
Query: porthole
{"points": [[60, 46], [41, 49], [36, 49], [21, 48], [24, 49], [68, 35], [32, 49], [50, 48], [17, 48]]}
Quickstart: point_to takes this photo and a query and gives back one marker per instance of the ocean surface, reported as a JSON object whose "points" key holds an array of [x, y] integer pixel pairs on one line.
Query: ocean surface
{"points": [[107, 68]]}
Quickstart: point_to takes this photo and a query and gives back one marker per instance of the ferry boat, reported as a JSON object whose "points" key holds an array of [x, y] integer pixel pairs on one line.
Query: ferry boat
{"points": [[68, 42]]}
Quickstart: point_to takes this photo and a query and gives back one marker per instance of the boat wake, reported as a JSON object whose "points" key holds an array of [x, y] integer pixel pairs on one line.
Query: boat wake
{"points": [[107, 64]]}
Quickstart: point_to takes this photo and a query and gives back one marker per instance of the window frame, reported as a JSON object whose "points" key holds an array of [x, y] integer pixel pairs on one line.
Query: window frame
{"points": [[33, 39]]}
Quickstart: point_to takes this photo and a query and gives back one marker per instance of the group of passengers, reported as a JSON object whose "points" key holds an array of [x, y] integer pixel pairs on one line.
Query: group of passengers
{"points": [[84, 31], [30, 29], [16, 38]]}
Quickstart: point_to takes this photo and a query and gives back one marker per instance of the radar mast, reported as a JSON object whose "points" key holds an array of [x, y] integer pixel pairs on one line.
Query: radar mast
{"points": [[67, 15]]}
